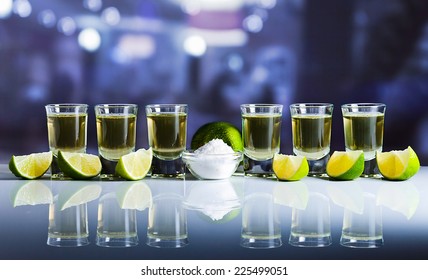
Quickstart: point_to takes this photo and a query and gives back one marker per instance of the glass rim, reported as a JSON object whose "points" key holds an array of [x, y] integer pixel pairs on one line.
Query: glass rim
{"points": [[166, 105], [261, 105], [116, 105], [312, 105], [66, 105], [363, 105]]}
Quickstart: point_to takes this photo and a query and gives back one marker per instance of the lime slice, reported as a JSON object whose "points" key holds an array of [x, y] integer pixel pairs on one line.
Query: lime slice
{"points": [[345, 165], [31, 193], [293, 194], [77, 194], [30, 166], [79, 165], [134, 196], [225, 131], [290, 168], [135, 165], [398, 165]]}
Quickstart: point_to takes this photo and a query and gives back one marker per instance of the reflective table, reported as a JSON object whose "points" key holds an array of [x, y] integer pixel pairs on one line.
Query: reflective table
{"points": [[238, 218]]}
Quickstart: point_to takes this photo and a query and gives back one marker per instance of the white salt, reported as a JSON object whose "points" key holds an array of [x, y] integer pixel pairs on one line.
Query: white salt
{"points": [[214, 160], [214, 147]]}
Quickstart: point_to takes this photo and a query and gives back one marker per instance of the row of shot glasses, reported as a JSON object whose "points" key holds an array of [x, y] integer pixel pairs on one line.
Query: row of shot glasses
{"points": [[261, 130]]}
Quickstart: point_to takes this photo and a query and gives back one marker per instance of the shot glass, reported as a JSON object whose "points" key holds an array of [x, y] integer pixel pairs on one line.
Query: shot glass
{"points": [[116, 134], [167, 225], [363, 126], [67, 127], [261, 228], [363, 230], [167, 131], [311, 130], [310, 227], [261, 130], [67, 227], [116, 227]]}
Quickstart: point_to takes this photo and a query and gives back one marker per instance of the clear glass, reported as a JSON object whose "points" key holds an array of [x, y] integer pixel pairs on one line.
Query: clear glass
{"points": [[363, 229], [116, 133], [67, 227], [167, 225], [167, 133], [212, 166], [261, 228], [261, 130], [117, 227], [310, 227], [311, 131], [67, 130], [364, 128]]}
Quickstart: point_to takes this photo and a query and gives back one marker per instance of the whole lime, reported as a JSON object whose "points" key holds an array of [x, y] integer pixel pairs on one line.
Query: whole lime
{"points": [[225, 131]]}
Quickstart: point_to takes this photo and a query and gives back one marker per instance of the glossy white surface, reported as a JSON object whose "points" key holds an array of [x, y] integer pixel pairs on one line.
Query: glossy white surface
{"points": [[215, 215]]}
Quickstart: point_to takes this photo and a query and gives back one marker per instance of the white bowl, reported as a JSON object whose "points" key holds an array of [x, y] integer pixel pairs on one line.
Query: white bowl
{"points": [[212, 166]]}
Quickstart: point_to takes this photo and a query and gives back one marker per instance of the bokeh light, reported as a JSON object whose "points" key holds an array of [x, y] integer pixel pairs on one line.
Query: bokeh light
{"points": [[253, 23], [22, 8], [93, 5], [195, 45], [89, 39], [67, 25], [111, 15], [5, 8], [47, 18]]}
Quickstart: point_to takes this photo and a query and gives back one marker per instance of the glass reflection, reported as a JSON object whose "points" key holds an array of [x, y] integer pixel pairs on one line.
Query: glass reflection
{"points": [[68, 217], [117, 213], [261, 228], [310, 227], [363, 230], [167, 224], [116, 227]]}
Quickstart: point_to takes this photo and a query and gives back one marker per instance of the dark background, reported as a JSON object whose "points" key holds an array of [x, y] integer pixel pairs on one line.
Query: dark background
{"points": [[273, 51]]}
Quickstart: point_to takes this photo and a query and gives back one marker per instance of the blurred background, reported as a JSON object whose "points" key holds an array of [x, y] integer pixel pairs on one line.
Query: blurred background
{"points": [[213, 55]]}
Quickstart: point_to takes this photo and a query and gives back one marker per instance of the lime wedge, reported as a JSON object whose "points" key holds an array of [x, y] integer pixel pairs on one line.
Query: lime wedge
{"points": [[398, 165], [290, 168], [77, 194], [134, 196], [31, 193], [79, 165], [135, 165], [30, 166], [345, 165]]}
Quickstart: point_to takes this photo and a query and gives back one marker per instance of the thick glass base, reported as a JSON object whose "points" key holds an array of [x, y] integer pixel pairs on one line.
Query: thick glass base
{"points": [[317, 167], [56, 173], [167, 168], [360, 243], [116, 242], [309, 241], [254, 168], [255, 243], [167, 243], [370, 169], [67, 242], [108, 171]]}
